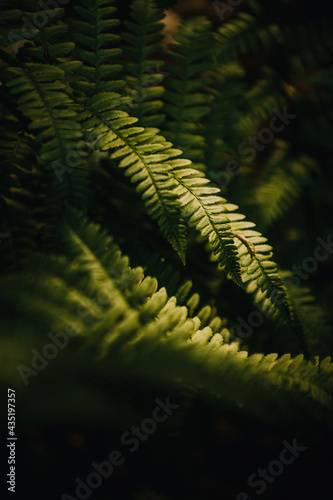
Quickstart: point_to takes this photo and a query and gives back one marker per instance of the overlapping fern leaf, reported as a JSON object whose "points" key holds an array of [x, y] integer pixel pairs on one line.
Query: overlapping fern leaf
{"points": [[146, 157], [172, 194], [35, 80], [175, 193], [125, 328], [142, 67], [149, 161], [41, 97], [141, 151]]}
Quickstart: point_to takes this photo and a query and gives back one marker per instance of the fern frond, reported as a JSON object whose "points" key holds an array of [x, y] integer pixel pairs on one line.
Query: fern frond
{"points": [[33, 32], [191, 197], [237, 246], [147, 158], [94, 36], [284, 179], [171, 191], [223, 131], [303, 46], [144, 155], [186, 100], [35, 77], [314, 318], [246, 33], [308, 45], [141, 64], [262, 99], [153, 264], [41, 97], [17, 174], [141, 151], [187, 292], [16, 155], [126, 328], [321, 78]]}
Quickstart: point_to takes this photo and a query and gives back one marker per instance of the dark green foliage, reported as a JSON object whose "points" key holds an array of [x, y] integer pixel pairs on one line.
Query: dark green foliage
{"points": [[186, 103], [93, 33], [82, 99], [283, 181], [131, 329], [143, 70], [41, 96], [223, 125], [247, 32], [18, 172]]}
